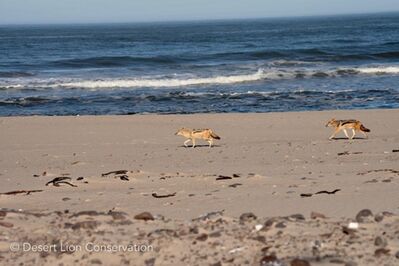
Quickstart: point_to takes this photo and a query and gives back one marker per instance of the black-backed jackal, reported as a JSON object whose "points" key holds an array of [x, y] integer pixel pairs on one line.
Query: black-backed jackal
{"points": [[193, 134], [353, 124]]}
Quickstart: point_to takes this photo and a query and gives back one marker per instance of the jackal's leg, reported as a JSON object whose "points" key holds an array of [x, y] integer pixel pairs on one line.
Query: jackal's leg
{"points": [[193, 143], [210, 143], [185, 143], [353, 133], [365, 135], [335, 133], [346, 133]]}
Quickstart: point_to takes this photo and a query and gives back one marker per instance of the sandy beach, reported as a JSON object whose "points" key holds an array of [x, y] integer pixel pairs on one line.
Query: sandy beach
{"points": [[273, 165]]}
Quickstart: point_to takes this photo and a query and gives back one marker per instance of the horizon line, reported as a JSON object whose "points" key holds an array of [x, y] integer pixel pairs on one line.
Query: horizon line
{"points": [[199, 20]]}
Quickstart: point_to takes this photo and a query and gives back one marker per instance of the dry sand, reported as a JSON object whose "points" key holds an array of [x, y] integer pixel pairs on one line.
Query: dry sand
{"points": [[271, 165]]}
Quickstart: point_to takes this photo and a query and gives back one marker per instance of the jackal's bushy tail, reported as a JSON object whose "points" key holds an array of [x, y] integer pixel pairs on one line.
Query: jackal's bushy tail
{"points": [[363, 128], [213, 135]]}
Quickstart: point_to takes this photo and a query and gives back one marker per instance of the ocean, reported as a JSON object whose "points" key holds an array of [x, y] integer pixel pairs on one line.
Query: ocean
{"points": [[262, 65]]}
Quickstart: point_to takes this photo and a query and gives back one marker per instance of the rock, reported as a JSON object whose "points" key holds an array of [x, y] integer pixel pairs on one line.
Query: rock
{"points": [[248, 216], [269, 260], [397, 255], [299, 262], [118, 215], [280, 225], [202, 237], [381, 251], [317, 215], [217, 264], [146, 216], [297, 217], [66, 199], [149, 262], [364, 216], [3, 214], [215, 234], [88, 225], [6, 224], [96, 261], [350, 263], [269, 222], [379, 217], [380, 241]]}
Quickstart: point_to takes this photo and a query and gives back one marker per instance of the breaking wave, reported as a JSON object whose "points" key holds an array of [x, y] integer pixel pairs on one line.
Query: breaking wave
{"points": [[261, 75]]}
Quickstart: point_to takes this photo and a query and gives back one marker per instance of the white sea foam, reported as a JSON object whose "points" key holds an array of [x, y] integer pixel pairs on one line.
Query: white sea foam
{"points": [[379, 70], [175, 82]]}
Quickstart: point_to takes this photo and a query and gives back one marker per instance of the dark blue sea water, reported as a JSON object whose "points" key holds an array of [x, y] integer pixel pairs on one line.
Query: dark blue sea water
{"points": [[343, 62]]}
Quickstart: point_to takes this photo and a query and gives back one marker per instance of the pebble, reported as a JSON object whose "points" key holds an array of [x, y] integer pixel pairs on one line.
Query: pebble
{"points": [[248, 216], [381, 251], [146, 216], [315, 215], [364, 215], [297, 217], [380, 241], [299, 262], [6, 224], [202, 237], [269, 260]]}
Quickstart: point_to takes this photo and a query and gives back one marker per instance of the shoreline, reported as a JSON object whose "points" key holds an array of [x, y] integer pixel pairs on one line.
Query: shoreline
{"points": [[210, 113]]}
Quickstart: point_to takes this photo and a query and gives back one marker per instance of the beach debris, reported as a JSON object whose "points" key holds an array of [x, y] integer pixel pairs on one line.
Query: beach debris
{"points": [[79, 178], [6, 224], [353, 225], [235, 185], [223, 177], [258, 227], [60, 180], [27, 192], [319, 192], [397, 150], [235, 250], [397, 255], [124, 178], [348, 153], [116, 172], [247, 216], [208, 215], [364, 215], [66, 199], [350, 229], [327, 192], [145, 216], [316, 215], [299, 262], [236, 175], [380, 170], [155, 195]]}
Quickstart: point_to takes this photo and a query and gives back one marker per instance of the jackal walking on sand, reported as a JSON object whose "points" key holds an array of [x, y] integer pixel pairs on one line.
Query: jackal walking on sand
{"points": [[193, 134], [343, 125]]}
